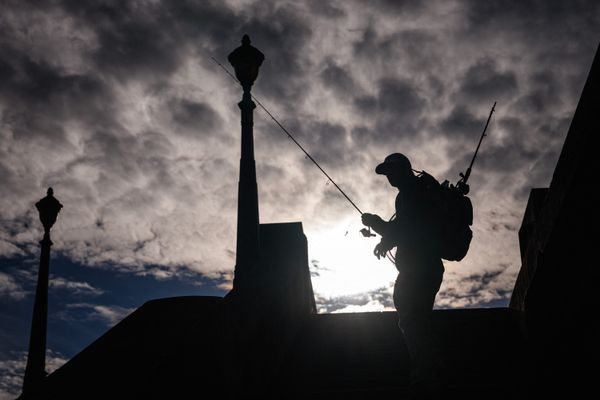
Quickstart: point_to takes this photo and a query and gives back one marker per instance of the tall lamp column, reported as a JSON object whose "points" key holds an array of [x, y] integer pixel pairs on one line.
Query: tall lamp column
{"points": [[35, 371], [246, 61]]}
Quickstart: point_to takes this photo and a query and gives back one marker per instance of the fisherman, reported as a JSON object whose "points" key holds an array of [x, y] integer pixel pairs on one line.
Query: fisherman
{"points": [[415, 232]]}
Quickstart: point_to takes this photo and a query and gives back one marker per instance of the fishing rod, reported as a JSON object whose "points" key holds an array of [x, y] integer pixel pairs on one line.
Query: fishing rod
{"points": [[462, 183], [297, 144]]}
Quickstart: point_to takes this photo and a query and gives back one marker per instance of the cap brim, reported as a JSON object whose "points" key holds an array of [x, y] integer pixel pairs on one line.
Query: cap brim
{"points": [[382, 169]]}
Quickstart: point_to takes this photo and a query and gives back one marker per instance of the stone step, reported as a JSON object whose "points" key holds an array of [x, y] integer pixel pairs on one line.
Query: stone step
{"points": [[350, 355]]}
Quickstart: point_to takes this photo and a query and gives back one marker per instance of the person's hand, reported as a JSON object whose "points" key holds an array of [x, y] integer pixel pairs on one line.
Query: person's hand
{"points": [[371, 220], [381, 249]]}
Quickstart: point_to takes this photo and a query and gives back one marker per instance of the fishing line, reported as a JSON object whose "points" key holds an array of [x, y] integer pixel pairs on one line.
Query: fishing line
{"points": [[291, 137]]}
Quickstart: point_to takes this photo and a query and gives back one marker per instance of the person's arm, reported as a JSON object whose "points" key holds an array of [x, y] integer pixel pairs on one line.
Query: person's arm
{"points": [[389, 231], [375, 222]]}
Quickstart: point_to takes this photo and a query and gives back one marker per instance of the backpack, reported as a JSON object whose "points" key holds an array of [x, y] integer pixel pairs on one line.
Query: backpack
{"points": [[454, 213]]}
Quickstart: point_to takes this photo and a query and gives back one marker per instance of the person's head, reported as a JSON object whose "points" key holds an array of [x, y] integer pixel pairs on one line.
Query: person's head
{"points": [[396, 167]]}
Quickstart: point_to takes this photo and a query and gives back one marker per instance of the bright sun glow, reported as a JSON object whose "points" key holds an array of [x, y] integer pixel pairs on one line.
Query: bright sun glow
{"points": [[346, 264]]}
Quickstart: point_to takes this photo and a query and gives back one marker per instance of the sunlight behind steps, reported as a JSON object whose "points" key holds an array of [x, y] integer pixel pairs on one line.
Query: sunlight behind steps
{"points": [[343, 264]]}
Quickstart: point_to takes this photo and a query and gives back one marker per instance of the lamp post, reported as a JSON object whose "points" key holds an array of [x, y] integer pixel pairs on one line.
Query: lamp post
{"points": [[246, 61], [35, 371]]}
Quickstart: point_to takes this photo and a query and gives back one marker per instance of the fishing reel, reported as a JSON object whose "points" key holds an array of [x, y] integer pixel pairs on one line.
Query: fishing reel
{"points": [[463, 186], [366, 232]]}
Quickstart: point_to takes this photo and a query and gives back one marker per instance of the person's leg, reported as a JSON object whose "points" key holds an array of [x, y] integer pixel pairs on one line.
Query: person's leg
{"points": [[414, 296]]}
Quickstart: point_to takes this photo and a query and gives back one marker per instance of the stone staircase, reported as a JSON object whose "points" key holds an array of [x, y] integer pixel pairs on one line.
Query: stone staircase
{"points": [[175, 348], [360, 356]]}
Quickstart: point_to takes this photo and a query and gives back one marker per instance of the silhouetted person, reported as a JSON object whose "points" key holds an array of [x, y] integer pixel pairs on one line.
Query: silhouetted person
{"points": [[415, 234]]}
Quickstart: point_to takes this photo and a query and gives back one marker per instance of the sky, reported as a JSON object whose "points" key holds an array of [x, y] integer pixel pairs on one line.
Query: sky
{"points": [[119, 107]]}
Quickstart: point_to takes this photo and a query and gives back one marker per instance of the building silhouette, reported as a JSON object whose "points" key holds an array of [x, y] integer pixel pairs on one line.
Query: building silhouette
{"points": [[265, 340]]}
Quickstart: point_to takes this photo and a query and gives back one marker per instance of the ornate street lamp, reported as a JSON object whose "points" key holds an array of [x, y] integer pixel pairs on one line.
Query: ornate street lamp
{"points": [[48, 208], [35, 371], [246, 61]]}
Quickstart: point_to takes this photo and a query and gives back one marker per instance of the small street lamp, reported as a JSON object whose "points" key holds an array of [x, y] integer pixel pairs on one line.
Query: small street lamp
{"points": [[48, 208], [35, 371]]}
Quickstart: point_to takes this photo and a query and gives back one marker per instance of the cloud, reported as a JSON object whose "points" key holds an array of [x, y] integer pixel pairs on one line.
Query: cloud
{"points": [[397, 107], [477, 289], [20, 278], [77, 288], [108, 314], [12, 370], [326, 9], [484, 82], [379, 299], [192, 116], [120, 109], [10, 288], [338, 79], [461, 122]]}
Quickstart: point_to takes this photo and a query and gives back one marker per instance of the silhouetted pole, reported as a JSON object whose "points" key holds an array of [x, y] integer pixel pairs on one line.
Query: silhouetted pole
{"points": [[246, 61], [35, 371]]}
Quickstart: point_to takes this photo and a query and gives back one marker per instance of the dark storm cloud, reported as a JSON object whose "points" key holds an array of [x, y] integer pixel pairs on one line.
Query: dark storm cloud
{"points": [[484, 82], [522, 149], [553, 32], [330, 143], [366, 104], [326, 9], [134, 47], [41, 98], [396, 6], [397, 107], [544, 93], [405, 50], [37, 82], [364, 45], [360, 136], [327, 142], [134, 40], [194, 117], [148, 41], [338, 79], [400, 97], [461, 122], [530, 14]]}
